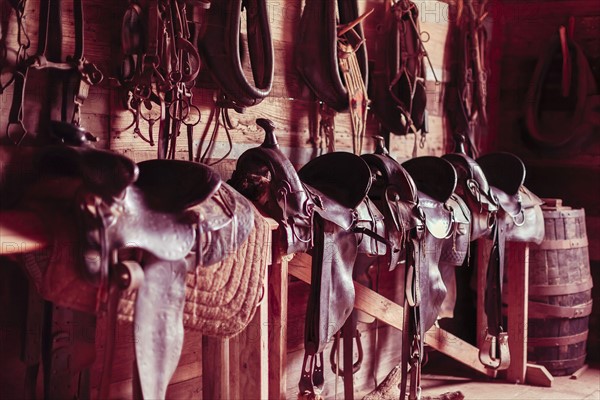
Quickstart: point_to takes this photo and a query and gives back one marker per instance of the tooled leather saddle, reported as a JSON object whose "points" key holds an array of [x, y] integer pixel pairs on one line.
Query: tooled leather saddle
{"points": [[176, 215]]}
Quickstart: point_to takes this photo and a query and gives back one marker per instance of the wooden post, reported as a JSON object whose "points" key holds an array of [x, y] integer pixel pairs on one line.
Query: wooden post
{"points": [[215, 368], [248, 357], [239, 367], [278, 304], [517, 261]]}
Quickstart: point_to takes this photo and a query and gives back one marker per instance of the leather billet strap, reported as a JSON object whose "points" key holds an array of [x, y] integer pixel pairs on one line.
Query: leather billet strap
{"points": [[412, 335], [312, 378], [495, 352]]}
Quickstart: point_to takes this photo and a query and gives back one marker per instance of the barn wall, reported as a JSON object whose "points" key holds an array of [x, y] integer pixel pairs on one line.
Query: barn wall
{"points": [[522, 31], [290, 106]]}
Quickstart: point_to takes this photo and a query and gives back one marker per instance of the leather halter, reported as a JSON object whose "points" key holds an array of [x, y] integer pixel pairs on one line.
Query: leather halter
{"points": [[470, 101], [159, 68], [398, 90], [331, 57], [86, 74], [219, 46]]}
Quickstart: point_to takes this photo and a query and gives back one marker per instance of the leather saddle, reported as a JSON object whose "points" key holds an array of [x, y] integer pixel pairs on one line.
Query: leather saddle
{"points": [[219, 47], [435, 180], [177, 215], [520, 209], [398, 82], [394, 193], [338, 183], [474, 189], [323, 208], [317, 49], [267, 177]]}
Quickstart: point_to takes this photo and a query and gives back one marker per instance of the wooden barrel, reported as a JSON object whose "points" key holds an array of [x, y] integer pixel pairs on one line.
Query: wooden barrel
{"points": [[560, 299]]}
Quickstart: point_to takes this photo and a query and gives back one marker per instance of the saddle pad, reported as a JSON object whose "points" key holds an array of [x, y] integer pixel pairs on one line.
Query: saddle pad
{"points": [[222, 299], [438, 218]]}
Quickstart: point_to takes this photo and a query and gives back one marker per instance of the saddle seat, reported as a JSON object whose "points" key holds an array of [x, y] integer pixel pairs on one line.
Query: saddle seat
{"points": [[470, 173], [433, 176], [103, 173], [153, 209], [339, 182], [435, 179], [174, 185], [505, 173]]}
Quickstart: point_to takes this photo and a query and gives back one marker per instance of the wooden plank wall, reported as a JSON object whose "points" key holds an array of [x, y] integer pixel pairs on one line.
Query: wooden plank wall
{"points": [[289, 106]]}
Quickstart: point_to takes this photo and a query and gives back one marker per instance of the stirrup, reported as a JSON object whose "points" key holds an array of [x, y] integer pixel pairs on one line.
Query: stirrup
{"points": [[334, 349], [312, 379], [495, 346]]}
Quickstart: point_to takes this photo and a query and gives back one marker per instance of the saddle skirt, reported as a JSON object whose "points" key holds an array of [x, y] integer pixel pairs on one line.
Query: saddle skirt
{"points": [[473, 187]]}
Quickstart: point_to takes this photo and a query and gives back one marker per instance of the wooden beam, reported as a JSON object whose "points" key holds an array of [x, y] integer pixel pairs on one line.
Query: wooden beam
{"points": [[538, 375], [248, 357], [391, 313], [278, 305], [21, 232], [517, 268], [215, 368]]}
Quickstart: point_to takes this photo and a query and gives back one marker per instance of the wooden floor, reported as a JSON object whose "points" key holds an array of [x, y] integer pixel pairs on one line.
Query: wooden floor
{"points": [[586, 386], [436, 381]]}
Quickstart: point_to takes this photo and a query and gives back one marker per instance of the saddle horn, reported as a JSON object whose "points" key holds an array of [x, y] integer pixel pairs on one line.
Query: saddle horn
{"points": [[269, 128]]}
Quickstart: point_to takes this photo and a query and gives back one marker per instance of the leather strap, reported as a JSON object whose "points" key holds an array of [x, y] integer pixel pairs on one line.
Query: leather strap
{"points": [[565, 244], [539, 310], [559, 290], [495, 352], [557, 341], [357, 94]]}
